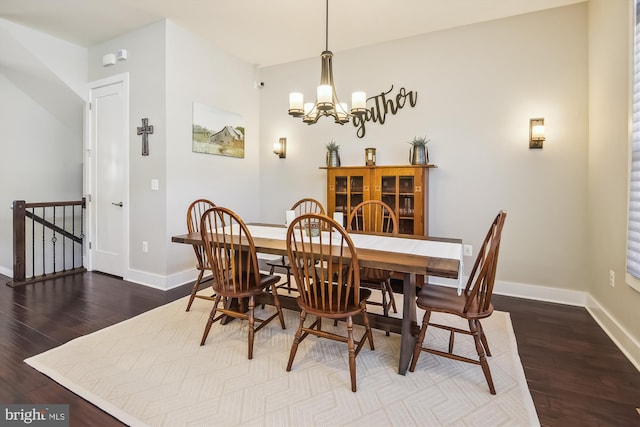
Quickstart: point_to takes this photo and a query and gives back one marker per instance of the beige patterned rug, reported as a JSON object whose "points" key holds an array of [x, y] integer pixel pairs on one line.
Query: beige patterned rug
{"points": [[151, 370]]}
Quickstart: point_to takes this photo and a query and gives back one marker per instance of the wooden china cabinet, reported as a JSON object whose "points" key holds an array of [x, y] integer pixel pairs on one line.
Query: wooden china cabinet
{"points": [[404, 188]]}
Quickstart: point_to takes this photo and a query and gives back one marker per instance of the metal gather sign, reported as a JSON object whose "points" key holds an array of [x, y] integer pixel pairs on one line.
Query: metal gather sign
{"points": [[382, 106]]}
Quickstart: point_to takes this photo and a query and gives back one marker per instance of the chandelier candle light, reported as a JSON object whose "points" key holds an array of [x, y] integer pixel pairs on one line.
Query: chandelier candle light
{"points": [[327, 102]]}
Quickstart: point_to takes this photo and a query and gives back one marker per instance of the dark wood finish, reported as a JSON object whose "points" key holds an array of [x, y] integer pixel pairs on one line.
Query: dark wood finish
{"points": [[575, 373], [19, 243], [377, 217], [411, 266], [415, 264], [329, 285], [302, 206], [474, 304], [194, 215], [235, 271], [20, 246]]}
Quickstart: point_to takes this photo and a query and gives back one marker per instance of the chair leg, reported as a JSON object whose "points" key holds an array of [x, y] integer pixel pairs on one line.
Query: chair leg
{"points": [[271, 270], [418, 348], [481, 355], [211, 318], [296, 340], [483, 337], [385, 305], [288, 279], [352, 353], [391, 296], [195, 289], [252, 322], [276, 302], [367, 326]]}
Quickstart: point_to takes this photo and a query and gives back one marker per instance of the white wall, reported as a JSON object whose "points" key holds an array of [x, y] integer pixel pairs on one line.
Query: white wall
{"points": [[610, 68], [170, 68], [147, 209], [42, 123], [200, 72], [477, 86]]}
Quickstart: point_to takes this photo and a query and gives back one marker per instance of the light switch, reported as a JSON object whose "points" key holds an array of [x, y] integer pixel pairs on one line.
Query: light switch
{"points": [[154, 185]]}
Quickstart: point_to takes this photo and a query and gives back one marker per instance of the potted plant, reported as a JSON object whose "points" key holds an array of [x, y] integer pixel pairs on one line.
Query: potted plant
{"points": [[333, 157], [418, 154]]}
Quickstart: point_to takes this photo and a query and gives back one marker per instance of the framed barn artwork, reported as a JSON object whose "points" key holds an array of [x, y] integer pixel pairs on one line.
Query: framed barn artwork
{"points": [[216, 131]]}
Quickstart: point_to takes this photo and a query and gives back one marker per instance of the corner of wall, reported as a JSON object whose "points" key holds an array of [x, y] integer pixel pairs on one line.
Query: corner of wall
{"points": [[618, 334]]}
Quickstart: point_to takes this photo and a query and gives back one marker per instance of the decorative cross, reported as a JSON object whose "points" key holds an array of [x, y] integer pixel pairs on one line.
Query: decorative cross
{"points": [[145, 131]]}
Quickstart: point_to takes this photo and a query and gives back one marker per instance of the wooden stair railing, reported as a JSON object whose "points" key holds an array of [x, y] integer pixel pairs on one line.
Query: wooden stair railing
{"points": [[48, 223]]}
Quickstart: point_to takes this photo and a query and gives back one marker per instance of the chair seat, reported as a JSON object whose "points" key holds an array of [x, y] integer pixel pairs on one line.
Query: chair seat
{"points": [[446, 300], [352, 308], [280, 262], [368, 274], [227, 290]]}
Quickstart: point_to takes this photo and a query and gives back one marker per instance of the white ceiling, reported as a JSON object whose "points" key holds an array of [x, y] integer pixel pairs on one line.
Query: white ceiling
{"points": [[265, 32]]}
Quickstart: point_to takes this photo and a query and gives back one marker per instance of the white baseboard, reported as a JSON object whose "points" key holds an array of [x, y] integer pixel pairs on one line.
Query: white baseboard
{"points": [[541, 293], [161, 282], [629, 346], [620, 336], [6, 271], [523, 290]]}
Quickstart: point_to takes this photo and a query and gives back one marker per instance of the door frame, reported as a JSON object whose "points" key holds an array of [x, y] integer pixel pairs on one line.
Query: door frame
{"points": [[88, 169]]}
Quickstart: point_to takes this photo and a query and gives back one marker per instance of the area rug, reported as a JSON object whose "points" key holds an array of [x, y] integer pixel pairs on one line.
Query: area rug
{"points": [[151, 370]]}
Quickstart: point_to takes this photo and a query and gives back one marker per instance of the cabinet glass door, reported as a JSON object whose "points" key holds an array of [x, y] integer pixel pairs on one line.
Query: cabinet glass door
{"points": [[348, 191], [406, 204]]}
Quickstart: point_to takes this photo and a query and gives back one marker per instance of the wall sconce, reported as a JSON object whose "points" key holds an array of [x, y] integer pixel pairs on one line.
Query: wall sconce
{"points": [[280, 148], [536, 133]]}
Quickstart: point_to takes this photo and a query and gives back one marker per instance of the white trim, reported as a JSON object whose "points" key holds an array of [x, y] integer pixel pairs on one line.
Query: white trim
{"points": [[527, 291], [6, 271], [632, 281], [91, 86], [541, 293], [620, 336], [629, 346], [163, 283]]}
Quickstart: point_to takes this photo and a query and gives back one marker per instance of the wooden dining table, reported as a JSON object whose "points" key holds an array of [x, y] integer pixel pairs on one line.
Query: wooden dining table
{"points": [[412, 256]]}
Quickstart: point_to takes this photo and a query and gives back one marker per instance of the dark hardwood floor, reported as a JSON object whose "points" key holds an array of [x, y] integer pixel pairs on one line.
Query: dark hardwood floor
{"points": [[576, 375]]}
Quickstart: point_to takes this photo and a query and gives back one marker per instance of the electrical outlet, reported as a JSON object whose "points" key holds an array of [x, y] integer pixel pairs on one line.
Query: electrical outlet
{"points": [[612, 278], [145, 247], [468, 250]]}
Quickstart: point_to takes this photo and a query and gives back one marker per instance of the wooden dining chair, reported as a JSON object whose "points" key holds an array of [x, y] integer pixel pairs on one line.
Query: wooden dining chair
{"points": [[231, 257], [326, 270], [194, 215], [302, 206], [474, 304], [375, 216]]}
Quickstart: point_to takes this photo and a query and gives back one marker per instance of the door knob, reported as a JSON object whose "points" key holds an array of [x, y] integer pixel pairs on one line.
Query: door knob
{"points": [[117, 204]]}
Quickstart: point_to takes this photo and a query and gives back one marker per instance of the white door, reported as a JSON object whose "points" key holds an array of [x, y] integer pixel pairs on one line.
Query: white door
{"points": [[108, 173]]}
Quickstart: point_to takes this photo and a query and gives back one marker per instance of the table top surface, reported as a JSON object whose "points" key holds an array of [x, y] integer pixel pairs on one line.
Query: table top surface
{"points": [[399, 253]]}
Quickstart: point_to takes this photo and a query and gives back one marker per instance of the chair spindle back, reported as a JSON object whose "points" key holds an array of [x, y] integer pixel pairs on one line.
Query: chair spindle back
{"points": [[325, 266], [194, 215], [481, 280], [230, 250], [307, 205], [373, 216]]}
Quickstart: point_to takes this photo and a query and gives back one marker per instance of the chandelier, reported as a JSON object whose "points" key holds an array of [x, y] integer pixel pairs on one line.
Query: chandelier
{"points": [[327, 102]]}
